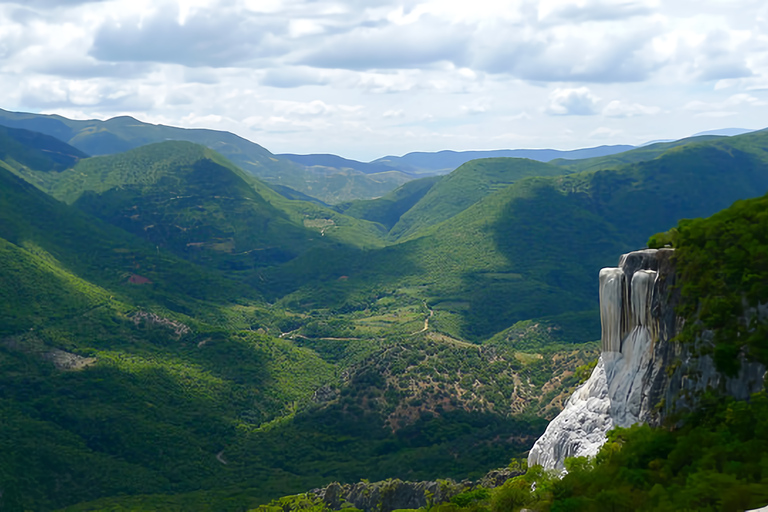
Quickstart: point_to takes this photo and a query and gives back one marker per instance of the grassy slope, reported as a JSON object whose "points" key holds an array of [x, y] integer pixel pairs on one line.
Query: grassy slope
{"points": [[464, 187], [715, 457], [25, 149]]}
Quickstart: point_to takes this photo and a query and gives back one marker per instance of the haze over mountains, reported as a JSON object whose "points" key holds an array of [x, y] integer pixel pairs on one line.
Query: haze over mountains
{"points": [[179, 329]]}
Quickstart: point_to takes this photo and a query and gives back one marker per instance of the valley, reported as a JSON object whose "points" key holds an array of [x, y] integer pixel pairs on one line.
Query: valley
{"points": [[189, 322]]}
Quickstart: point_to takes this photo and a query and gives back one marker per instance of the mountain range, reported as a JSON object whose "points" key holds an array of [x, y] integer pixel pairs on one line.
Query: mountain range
{"points": [[187, 337]]}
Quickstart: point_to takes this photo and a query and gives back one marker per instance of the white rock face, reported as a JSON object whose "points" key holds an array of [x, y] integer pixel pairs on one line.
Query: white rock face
{"points": [[640, 377], [580, 429], [613, 395]]}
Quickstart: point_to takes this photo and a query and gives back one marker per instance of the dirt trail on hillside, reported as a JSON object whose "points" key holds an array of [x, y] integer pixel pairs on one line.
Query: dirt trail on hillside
{"points": [[426, 320]]}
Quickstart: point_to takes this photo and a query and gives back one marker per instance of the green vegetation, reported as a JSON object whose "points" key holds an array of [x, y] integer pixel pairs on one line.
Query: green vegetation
{"points": [[633, 156], [532, 250], [22, 149], [175, 334], [387, 210], [464, 187], [716, 462], [723, 265]]}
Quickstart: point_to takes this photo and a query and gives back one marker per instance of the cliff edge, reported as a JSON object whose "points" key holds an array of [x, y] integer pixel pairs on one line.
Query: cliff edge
{"points": [[643, 375]]}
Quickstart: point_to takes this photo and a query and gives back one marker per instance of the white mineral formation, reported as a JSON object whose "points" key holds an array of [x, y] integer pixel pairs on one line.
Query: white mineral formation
{"points": [[613, 395]]}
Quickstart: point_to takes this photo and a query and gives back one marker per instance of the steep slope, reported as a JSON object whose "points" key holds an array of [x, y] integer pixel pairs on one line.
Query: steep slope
{"points": [[388, 210], [112, 350], [685, 332], [187, 198], [700, 367], [464, 187], [124, 133], [20, 149], [30, 218], [129, 371]]}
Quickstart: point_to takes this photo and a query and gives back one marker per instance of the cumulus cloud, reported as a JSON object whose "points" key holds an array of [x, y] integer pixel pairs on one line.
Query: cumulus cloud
{"points": [[612, 52], [593, 10], [720, 70], [45, 94], [269, 69], [392, 47], [393, 114], [208, 37], [572, 102]]}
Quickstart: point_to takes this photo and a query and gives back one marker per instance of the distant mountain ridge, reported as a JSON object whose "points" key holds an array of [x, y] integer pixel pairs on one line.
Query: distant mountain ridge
{"points": [[338, 162], [442, 161], [123, 133]]}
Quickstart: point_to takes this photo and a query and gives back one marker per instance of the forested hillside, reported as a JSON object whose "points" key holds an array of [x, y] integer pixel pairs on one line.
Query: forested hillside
{"points": [[530, 250], [186, 337]]}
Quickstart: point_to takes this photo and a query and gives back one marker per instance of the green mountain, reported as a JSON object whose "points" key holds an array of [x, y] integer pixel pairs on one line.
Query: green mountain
{"points": [[26, 149], [116, 358], [631, 156], [123, 133], [145, 373], [464, 187], [188, 199], [128, 371], [713, 458], [531, 250]]}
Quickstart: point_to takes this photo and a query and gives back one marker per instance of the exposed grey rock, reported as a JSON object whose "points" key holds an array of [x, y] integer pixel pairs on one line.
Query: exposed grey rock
{"points": [[179, 329], [394, 494], [68, 361], [643, 376], [497, 477], [324, 393]]}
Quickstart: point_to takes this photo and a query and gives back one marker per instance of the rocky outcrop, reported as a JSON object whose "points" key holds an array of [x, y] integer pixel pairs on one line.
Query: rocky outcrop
{"points": [[642, 376], [395, 494], [148, 319]]}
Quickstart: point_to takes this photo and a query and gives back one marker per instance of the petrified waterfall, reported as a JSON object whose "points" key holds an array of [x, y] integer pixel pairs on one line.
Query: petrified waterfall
{"points": [[615, 393], [641, 377]]}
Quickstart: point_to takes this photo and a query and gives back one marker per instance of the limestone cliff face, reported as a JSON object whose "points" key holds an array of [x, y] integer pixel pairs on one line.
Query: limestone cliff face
{"points": [[642, 376]]}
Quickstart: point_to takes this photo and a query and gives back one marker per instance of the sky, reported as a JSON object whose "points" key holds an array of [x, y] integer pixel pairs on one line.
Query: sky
{"points": [[368, 78]]}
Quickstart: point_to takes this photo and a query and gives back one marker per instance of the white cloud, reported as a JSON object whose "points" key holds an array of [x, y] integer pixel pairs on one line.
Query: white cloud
{"points": [[618, 108], [572, 102], [394, 114], [353, 76]]}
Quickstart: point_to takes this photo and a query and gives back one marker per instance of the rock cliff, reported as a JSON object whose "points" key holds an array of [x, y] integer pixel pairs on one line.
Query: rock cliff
{"points": [[388, 495], [643, 375]]}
